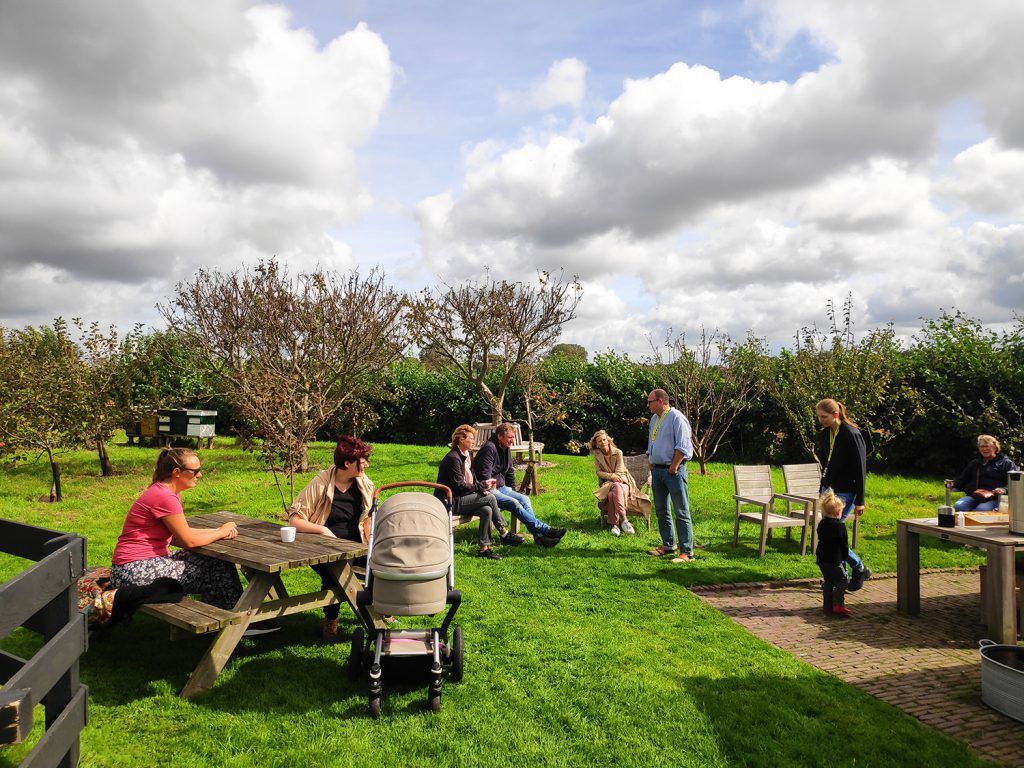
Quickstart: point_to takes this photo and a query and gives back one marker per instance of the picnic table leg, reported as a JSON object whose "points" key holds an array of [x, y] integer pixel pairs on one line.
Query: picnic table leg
{"points": [[1002, 618], [205, 674], [277, 589], [908, 570], [344, 577]]}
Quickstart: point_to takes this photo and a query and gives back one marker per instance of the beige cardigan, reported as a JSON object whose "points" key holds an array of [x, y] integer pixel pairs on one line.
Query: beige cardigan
{"points": [[609, 467], [315, 501]]}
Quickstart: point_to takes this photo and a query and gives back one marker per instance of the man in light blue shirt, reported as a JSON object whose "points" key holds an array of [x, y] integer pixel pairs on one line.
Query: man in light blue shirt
{"points": [[669, 447]]}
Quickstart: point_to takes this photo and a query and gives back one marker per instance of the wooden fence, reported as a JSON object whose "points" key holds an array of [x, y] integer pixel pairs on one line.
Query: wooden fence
{"points": [[43, 598]]}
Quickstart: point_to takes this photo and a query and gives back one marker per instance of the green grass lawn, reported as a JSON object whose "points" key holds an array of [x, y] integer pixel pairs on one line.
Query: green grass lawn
{"points": [[591, 653]]}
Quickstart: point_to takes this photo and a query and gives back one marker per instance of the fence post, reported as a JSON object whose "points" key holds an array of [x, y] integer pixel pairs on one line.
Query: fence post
{"points": [[60, 611]]}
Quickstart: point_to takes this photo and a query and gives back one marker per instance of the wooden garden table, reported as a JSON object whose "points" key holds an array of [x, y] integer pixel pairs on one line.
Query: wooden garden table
{"points": [[263, 557], [1000, 587]]}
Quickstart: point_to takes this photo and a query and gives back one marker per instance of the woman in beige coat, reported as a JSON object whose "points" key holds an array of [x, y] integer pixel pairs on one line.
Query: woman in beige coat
{"points": [[337, 503], [617, 486]]}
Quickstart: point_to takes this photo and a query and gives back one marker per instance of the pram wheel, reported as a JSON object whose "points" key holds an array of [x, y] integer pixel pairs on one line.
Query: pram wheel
{"points": [[375, 707], [355, 655], [458, 662], [434, 701]]}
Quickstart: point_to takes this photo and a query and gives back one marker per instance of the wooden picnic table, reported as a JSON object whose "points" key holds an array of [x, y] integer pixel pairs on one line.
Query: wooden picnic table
{"points": [[1000, 580], [263, 557]]}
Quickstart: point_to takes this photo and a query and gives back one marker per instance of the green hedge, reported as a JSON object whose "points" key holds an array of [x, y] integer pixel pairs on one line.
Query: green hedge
{"points": [[958, 380]]}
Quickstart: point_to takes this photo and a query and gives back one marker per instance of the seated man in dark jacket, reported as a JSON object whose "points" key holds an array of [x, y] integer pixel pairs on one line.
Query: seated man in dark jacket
{"points": [[471, 496], [494, 462]]}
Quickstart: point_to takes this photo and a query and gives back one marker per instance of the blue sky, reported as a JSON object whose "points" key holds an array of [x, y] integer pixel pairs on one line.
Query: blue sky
{"points": [[729, 165]]}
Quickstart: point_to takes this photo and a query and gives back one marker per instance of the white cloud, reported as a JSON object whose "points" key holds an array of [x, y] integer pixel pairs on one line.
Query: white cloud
{"points": [[749, 204], [140, 141], [565, 85], [987, 179]]}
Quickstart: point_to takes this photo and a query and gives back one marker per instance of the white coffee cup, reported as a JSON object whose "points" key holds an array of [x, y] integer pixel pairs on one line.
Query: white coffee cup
{"points": [[287, 533]]}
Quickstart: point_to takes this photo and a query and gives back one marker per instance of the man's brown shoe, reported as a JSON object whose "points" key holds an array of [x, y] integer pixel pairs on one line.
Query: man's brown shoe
{"points": [[660, 551]]}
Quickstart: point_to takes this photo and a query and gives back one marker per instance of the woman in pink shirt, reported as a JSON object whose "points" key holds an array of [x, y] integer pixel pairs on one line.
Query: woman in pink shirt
{"points": [[155, 519]]}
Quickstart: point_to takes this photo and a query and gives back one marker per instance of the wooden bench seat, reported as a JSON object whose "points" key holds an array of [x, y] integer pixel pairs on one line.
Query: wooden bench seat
{"points": [[519, 447], [192, 615]]}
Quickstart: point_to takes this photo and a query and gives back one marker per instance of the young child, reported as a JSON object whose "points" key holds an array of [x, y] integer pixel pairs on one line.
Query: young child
{"points": [[832, 551]]}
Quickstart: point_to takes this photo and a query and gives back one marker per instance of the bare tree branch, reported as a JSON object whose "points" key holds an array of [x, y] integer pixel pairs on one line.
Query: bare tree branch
{"points": [[478, 331], [289, 352]]}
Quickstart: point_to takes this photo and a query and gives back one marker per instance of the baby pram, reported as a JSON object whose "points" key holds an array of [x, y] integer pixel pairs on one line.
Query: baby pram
{"points": [[410, 571]]}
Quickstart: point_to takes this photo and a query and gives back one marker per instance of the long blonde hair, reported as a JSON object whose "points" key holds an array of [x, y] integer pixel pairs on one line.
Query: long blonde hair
{"points": [[828, 405], [601, 433]]}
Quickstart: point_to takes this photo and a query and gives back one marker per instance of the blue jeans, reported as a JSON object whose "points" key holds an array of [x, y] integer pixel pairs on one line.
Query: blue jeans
{"points": [[519, 505], [969, 503], [852, 559], [665, 485]]}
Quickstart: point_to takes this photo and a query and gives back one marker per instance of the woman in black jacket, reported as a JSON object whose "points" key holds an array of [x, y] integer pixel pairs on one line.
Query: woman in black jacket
{"points": [[471, 496], [984, 479], [843, 456]]}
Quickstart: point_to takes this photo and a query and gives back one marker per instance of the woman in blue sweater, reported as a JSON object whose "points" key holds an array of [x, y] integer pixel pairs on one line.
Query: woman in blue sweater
{"points": [[984, 479]]}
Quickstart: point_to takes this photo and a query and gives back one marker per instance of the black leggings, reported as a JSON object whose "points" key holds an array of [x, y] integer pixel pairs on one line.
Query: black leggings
{"points": [[834, 588], [484, 506]]}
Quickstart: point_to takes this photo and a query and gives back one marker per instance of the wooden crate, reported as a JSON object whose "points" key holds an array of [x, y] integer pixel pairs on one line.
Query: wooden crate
{"points": [[986, 518]]}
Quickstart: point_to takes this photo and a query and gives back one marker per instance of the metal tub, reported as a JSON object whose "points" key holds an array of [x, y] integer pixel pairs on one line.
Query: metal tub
{"points": [[1002, 678]]}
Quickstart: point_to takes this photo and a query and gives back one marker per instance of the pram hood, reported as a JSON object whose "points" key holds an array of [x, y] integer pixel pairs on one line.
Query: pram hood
{"points": [[411, 538]]}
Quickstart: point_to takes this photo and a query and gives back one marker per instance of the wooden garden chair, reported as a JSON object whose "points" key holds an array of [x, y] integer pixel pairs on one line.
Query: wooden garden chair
{"points": [[803, 483], [640, 468], [754, 488]]}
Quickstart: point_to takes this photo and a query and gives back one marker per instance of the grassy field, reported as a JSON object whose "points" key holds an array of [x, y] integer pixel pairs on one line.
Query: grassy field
{"points": [[591, 653]]}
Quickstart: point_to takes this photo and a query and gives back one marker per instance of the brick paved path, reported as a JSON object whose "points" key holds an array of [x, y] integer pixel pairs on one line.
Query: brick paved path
{"points": [[926, 665]]}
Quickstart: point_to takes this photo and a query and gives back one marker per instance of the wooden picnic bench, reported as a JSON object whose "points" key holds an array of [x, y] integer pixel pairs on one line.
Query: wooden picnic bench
{"points": [[519, 447], [263, 557]]}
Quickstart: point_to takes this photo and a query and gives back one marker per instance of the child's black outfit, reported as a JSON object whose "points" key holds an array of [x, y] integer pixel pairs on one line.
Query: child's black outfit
{"points": [[832, 551]]}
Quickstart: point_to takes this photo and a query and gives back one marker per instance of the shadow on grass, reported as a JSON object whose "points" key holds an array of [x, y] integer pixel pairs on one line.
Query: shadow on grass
{"points": [[134, 660], [812, 720], [291, 683], [138, 659]]}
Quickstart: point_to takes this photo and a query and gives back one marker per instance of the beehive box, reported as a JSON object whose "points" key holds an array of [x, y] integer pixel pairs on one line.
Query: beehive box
{"points": [[182, 422]]}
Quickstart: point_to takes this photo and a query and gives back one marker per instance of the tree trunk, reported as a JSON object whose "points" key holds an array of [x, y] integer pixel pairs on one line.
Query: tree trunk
{"points": [[495, 402], [703, 465], [55, 490], [530, 477], [528, 485], [303, 462], [101, 448]]}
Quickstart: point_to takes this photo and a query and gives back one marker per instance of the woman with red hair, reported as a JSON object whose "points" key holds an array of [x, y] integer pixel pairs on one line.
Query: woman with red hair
{"points": [[336, 503]]}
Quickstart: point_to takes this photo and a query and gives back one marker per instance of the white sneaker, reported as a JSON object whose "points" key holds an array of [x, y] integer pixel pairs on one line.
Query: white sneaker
{"points": [[616, 531], [627, 527]]}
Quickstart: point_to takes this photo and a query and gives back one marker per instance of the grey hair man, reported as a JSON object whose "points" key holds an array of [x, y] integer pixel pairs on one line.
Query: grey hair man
{"points": [[669, 447]]}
